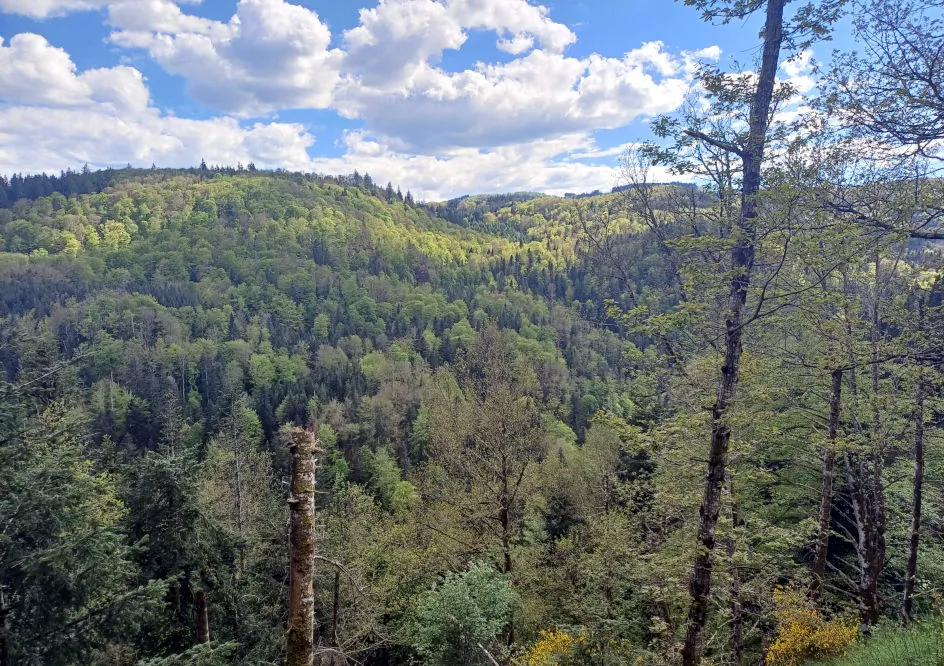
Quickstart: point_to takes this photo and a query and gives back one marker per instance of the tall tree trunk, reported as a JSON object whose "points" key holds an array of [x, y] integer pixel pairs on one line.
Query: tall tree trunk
{"points": [[300, 648], [826, 489], [203, 616], [870, 551], [914, 537], [742, 264], [737, 610]]}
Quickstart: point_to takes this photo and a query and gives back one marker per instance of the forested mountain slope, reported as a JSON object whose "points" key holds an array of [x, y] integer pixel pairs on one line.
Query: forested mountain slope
{"points": [[180, 319], [271, 273], [510, 396]]}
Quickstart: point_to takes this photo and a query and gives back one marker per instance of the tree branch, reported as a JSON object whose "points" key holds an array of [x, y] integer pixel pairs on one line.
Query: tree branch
{"points": [[717, 143]]}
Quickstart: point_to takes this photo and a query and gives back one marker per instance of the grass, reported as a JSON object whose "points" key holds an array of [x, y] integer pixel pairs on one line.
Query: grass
{"points": [[922, 645]]}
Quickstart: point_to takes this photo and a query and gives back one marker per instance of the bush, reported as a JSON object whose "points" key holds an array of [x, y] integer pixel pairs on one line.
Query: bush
{"points": [[553, 648], [455, 620], [802, 631]]}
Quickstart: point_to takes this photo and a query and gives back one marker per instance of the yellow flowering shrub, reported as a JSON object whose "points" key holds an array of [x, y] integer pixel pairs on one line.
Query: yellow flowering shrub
{"points": [[802, 631], [552, 648]]}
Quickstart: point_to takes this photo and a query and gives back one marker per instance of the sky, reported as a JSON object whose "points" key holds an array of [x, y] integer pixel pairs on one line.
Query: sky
{"points": [[441, 97]]}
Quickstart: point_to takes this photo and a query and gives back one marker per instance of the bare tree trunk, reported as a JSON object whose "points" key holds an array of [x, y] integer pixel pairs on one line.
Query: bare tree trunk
{"points": [[737, 611], [829, 477], [203, 616], [742, 264], [300, 648], [870, 551], [914, 537]]}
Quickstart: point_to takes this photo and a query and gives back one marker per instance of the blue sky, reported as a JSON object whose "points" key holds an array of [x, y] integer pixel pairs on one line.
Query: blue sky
{"points": [[443, 97]]}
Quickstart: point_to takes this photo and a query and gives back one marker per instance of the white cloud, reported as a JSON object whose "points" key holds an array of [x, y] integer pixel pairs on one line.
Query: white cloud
{"points": [[41, 9], [799, 71], [541, 94], [397, 38], [138, 19], [274, 55], [32, 71], [271, 55], [554, 166], [520, 123], [57, 117], [35, 139], [52, 117]]}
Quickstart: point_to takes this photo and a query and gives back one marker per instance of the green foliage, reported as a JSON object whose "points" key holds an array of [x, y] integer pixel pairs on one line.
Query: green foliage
{"points": [[205, 654], [466, 612], [920, 645], [69, 580]]}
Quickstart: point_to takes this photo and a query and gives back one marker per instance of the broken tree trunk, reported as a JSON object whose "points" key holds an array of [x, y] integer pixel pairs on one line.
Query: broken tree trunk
{"points": [[300, 648]]}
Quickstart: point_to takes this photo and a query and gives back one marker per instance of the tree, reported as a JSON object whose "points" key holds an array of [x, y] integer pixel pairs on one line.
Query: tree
{"points": [[68, 580], [486, 437], [742, 263], [749, 149], [300, 649], [457, 621], [892, 91]]}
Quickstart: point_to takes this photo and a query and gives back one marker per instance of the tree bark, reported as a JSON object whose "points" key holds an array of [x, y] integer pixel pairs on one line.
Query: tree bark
{"points": [[914, 537], [737, 610], [870, 546], [742, 264], [829, 477], [203, 616], [300, 648]]}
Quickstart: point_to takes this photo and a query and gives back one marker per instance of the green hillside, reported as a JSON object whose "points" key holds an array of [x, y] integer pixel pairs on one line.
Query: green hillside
{"points": [[511, 395], [174, 322]]}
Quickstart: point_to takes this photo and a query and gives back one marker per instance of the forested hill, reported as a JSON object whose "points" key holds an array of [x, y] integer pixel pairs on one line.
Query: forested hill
{"points": [[510, 397], [289, 288], [157, 334]]}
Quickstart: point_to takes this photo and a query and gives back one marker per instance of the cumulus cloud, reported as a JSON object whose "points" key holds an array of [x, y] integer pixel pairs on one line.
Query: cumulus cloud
{"points": [[137, 20], [799, 72], [32, 71], [53, 116], [541, 94], [567, 163], [522, 121], [35, 139], [397, 38], [271, 55], [41, 9]]}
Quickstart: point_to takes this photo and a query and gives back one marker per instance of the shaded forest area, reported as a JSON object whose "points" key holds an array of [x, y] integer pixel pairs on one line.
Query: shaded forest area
{"points": [[669, 424]]}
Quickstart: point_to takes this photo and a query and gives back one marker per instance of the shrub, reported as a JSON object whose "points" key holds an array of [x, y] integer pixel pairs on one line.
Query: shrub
{"points": [[553, 648], [455, 620], [802, 631]]}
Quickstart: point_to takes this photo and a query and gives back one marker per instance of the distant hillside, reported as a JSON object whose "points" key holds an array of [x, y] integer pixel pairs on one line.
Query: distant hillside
{"points": [[307, 267]]}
